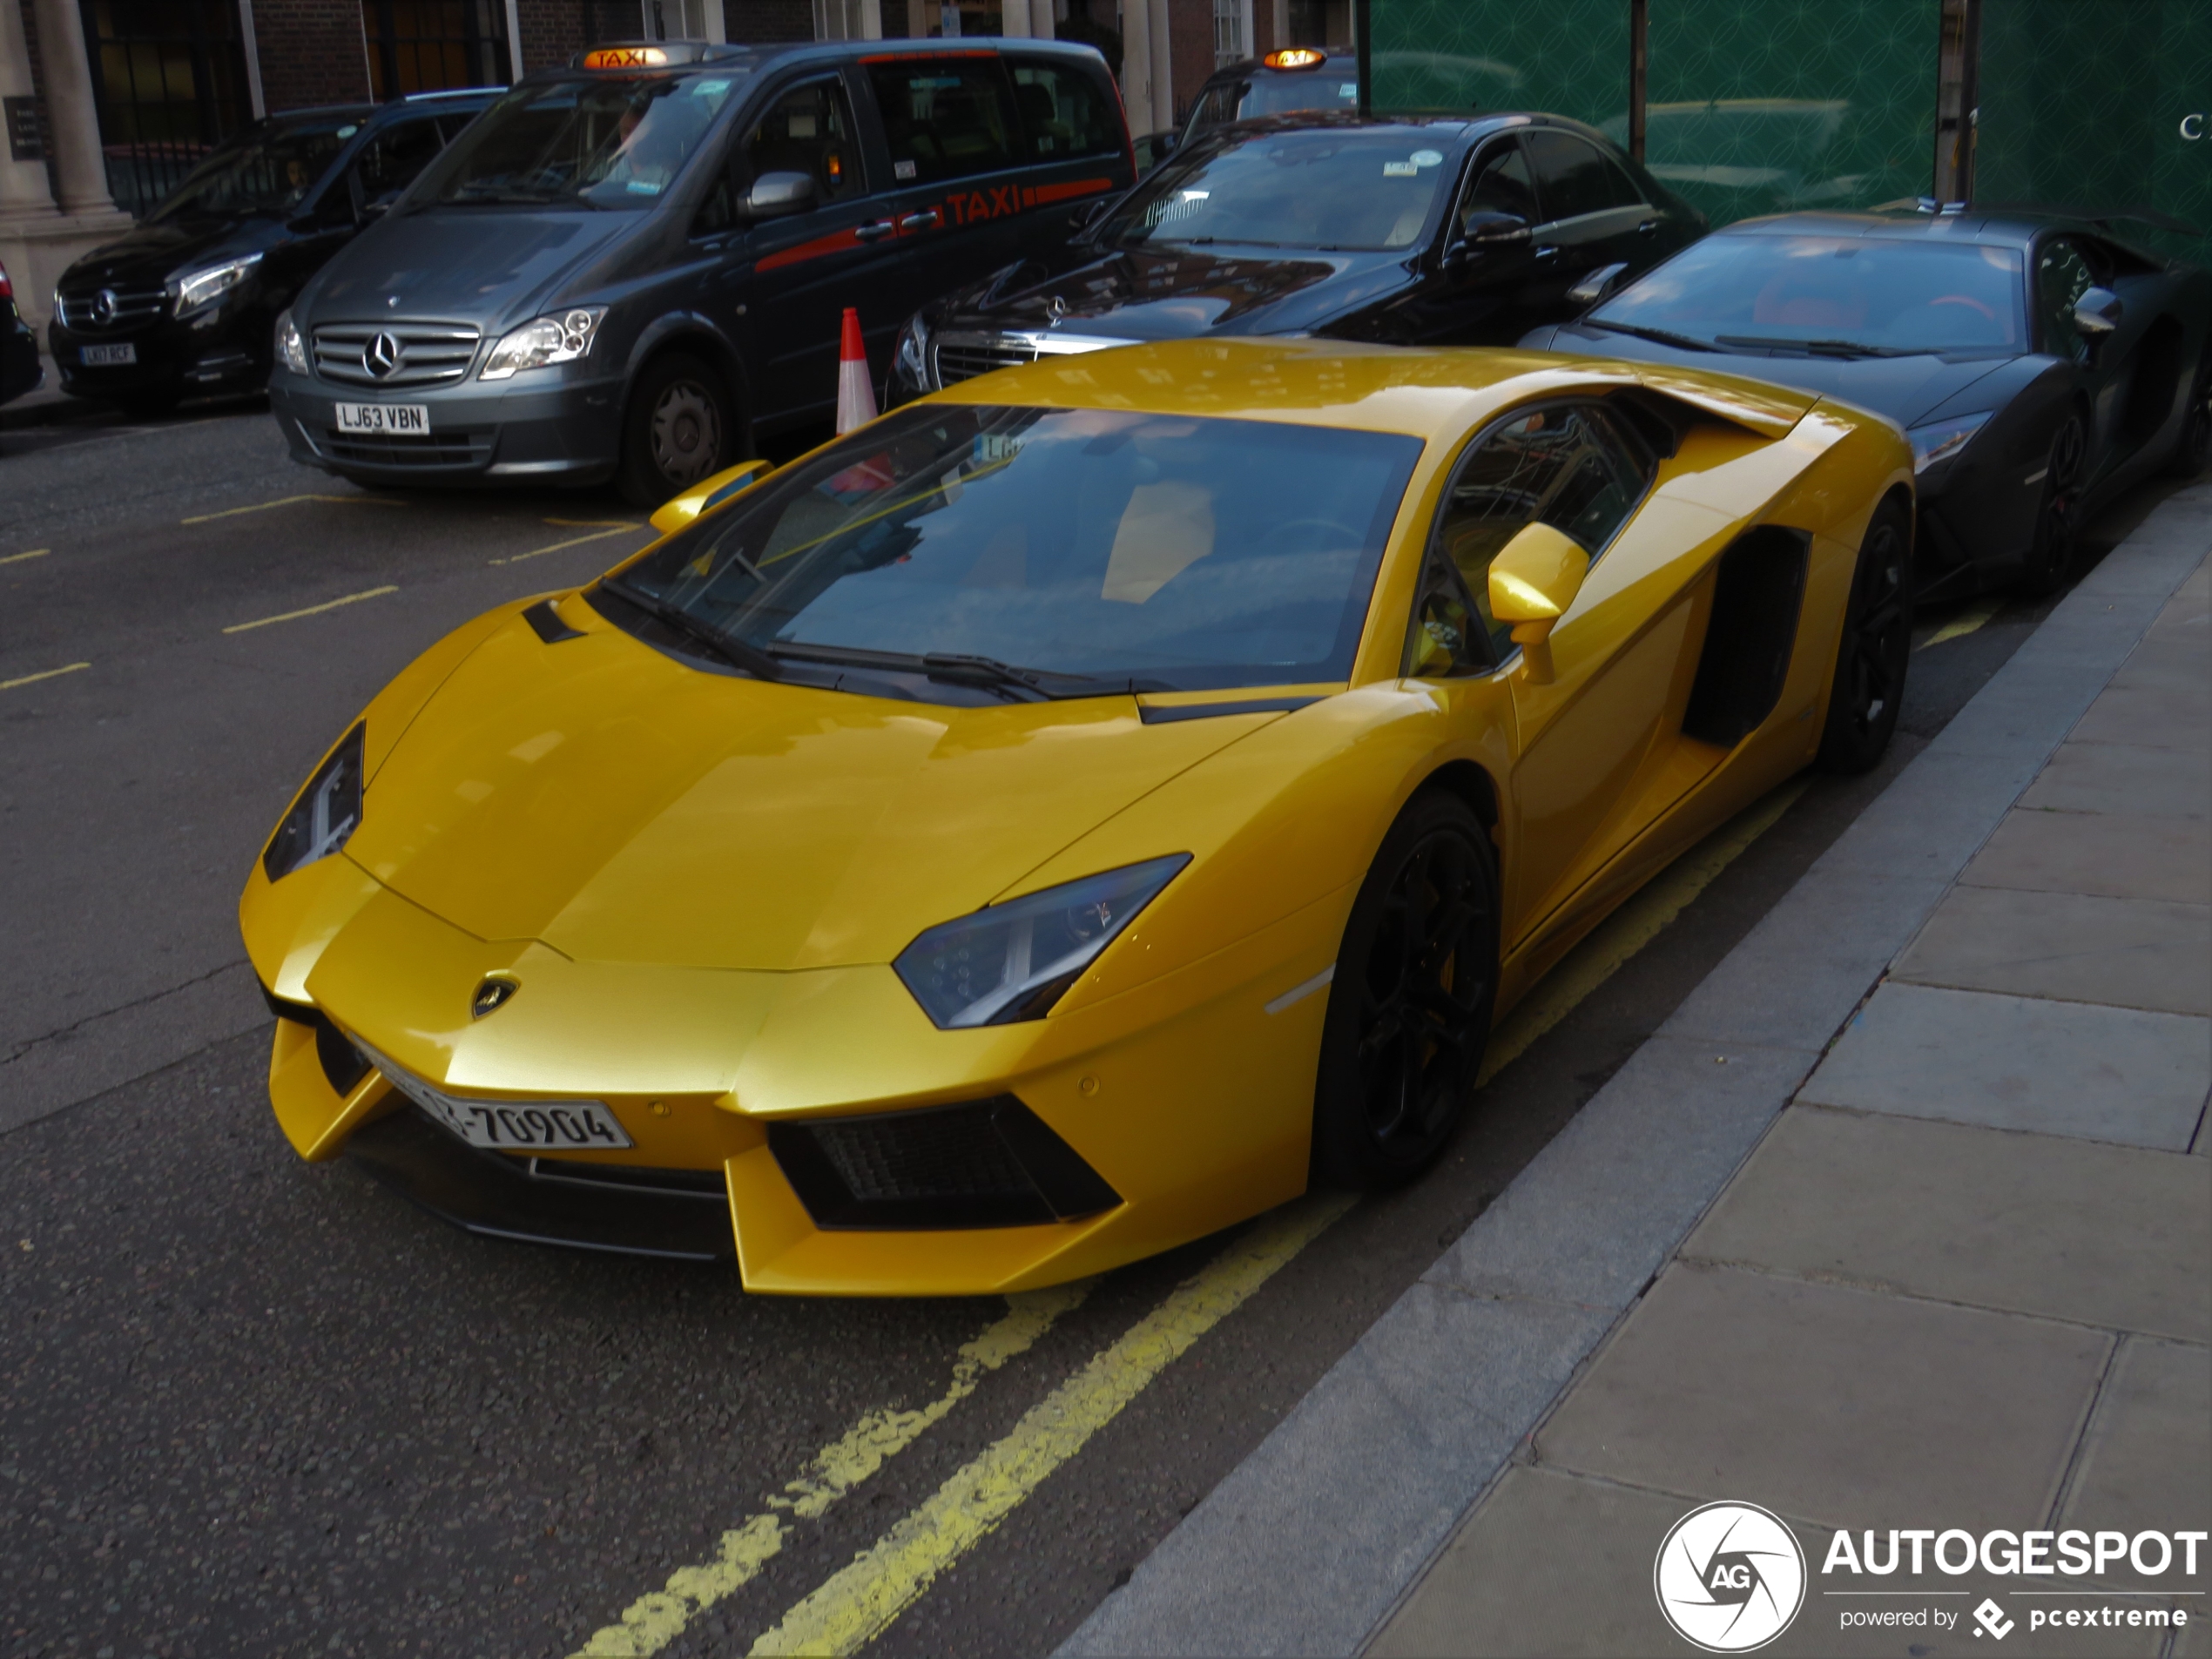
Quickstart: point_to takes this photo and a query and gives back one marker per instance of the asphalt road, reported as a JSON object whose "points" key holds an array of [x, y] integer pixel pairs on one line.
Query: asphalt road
{"points": [[252, 1406]]}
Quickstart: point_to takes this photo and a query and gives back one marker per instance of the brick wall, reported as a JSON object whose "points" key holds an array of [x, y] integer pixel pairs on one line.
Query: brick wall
{"points": [[758, 20], [553, 31], [1189, 52], [312, 53]]}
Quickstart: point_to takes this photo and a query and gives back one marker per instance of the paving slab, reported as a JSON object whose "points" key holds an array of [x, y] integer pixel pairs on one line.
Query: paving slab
{"points": [[2021, 1063], [1597, 1211], [1928, 823], [2027, 1224], [1841, 1406], [2119, 855], [2127, 952], [2147, 1459], [1294, 1558], [2159, 716], [2125, 778], [2167, 663]]}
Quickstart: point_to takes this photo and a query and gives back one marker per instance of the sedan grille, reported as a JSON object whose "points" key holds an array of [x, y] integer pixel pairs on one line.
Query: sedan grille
{"points": [[963, 357], [98, 311], [394, 354]]}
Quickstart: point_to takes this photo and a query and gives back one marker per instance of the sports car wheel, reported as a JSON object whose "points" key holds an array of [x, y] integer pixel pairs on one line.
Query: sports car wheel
{"points": [[1409, 1009], [2194, 452], [2050, 554], [677, 430], [1869, 685]]}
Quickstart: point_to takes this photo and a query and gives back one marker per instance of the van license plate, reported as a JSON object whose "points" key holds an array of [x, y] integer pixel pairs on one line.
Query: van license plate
{"points": [[383, 417], [106, 356]]}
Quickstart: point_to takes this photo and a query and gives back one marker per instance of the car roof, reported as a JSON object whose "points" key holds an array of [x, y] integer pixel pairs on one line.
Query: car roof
{"points": [[2006, 227], [1470, 125]]}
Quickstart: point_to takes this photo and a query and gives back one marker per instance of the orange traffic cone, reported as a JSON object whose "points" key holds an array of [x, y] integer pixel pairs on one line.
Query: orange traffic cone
{"points": [[855, 395]]}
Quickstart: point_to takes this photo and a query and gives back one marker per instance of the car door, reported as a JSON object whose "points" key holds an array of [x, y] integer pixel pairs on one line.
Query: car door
{"points": [[1076, 148], [793, 275], [2133, 374], [1484, 290], [1585, 735], [1594, 215]]}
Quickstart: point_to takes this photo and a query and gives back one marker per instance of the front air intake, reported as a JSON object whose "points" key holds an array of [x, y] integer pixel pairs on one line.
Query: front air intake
{"points": [[981, 1163]]}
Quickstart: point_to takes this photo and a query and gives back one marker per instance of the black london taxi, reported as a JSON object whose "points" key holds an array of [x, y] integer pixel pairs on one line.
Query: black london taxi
{"points": [[632, 267], [183, 305]]}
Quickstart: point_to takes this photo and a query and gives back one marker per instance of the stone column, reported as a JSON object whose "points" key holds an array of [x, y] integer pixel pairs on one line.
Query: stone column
{"points": [[68, 103], [23, 192], [1136, 67]]}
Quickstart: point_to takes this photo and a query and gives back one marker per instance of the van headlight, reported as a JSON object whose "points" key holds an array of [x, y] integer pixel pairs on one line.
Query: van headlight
{"points": [[196, 290], [291, 350], [543, 341], [1014, 961], [326, 813]]}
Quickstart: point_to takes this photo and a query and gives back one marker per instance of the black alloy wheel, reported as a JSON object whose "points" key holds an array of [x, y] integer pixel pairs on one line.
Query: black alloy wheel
{"points": [[2050, 550], [678, 430], [2193, 451], [1868, 689], [1409, 1008]]}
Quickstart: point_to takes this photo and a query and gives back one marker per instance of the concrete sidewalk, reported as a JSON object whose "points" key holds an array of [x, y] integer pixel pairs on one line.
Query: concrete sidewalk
{"points": [[1963, 1278]]}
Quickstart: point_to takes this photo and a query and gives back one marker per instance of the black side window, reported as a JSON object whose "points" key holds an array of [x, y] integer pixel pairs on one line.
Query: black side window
{"points": [[1063, 113], [2063, 274], [1500, 185], [1573, 467], [946, 117], [1220, 103], [388, 162], [808, 128], [1574, 177]]}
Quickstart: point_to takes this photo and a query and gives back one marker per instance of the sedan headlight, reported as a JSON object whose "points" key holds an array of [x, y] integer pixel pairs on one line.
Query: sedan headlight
{"points": [[548, 339], [325, 815], [910, 357], [291, 350], [1014, 961], [1941, 439], [196, 290]]}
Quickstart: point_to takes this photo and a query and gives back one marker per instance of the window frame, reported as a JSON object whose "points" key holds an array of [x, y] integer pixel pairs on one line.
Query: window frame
{"points": [[1013, 62], [954, 62], [733, 175], [1436, 562]]}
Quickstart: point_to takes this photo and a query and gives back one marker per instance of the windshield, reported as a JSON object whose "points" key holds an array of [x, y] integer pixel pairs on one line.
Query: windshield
{"points": [[1135, 551], [264, 170], [617, 142], [1880, 294], [1334, 187]]}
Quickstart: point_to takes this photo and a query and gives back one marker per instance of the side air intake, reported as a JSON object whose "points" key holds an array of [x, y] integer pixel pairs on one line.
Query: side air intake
{"points": [[1757, 594]]}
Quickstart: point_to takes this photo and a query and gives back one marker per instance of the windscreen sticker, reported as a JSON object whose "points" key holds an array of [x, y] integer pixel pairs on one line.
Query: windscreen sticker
{"points": [[1400, 169], [1428, 158], [902, 170], [1348, 88], [642, 187], [709, 89], [348, 132]]}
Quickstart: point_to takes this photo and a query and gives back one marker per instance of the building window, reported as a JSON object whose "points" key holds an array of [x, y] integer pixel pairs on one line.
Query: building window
{"points": [[169, 84], [1228, 32], [676, 19], [428, 45]]}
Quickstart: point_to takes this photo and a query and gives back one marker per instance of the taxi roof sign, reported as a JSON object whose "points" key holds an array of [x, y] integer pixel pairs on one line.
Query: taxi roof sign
{"points": [[640, 54], [1296, 57]]}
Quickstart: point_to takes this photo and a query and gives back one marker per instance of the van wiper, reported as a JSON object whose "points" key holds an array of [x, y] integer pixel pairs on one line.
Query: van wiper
{"points": [[1820, 347], [728, 647], [1659, 335]]}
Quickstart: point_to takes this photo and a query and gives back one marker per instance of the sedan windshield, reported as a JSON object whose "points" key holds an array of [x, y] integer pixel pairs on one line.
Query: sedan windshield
{"points": [[1829, 293], [614, 142], [1086, 552], [266, 169], [1325, 187]]}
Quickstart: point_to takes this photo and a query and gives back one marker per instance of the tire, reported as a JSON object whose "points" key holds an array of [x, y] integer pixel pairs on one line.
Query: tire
{"points": [[1409, 1009], [1867, 690], [2193, 452], [2050, 550], [679, 427]]}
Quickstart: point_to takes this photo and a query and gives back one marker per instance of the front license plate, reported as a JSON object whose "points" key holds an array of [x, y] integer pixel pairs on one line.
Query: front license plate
{"points": [[106, 356], [383, 417]]}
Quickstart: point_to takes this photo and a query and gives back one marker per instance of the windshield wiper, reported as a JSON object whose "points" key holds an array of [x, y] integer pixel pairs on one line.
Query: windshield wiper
{"points": [[731, 650], [1819, 347], [1660, 335], [966, 668]]}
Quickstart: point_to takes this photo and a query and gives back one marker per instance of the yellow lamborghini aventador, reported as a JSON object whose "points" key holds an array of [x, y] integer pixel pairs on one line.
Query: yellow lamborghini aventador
{"points": [[1071, 814]]}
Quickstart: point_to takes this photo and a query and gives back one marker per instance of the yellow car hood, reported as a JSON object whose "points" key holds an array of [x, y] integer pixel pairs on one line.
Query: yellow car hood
{"points": [[621, 806]]}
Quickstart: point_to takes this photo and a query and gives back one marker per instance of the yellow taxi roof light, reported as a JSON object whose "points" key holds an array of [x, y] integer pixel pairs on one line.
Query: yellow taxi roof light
{"points": [[1296, 57], [626, 57]]}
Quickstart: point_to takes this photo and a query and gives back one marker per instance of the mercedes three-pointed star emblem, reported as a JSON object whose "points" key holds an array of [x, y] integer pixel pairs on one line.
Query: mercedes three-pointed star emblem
{"points": [[383, 355]]}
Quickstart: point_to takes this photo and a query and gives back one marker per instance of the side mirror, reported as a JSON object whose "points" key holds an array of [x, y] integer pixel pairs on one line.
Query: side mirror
{"points": [[1489, 229], [1089, 213], [708, 494], [2097, 312], [1532, 581], [774, 194], [1599, 284]]}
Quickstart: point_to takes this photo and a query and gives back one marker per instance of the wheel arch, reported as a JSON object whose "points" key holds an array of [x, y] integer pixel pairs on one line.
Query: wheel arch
{"points": [[679, 331]]}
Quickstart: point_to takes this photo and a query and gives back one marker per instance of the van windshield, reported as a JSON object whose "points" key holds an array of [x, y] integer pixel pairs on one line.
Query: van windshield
{"points": [[611, 142], [266, 169]]}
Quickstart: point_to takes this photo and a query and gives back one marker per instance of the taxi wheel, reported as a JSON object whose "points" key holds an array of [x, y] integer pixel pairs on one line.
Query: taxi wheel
{"points": [[1409, 1008], [1868, 689], [678, 427]]}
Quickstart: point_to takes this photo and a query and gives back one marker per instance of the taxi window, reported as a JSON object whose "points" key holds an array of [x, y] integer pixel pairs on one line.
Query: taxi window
{"points": [[946, 117], [1571, 467], [1063, 113], [388, 162], [808, 130]]}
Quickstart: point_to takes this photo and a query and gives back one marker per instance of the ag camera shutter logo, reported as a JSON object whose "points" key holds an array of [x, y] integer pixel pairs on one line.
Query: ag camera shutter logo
{"points": [[1730, 1577]]}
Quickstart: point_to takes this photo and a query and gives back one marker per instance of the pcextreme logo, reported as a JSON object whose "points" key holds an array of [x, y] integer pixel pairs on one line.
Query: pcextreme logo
{"points": [[1730, 1577]]}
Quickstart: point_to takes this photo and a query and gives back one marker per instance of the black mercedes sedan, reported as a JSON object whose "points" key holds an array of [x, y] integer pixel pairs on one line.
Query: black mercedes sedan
{"points": [[185, 303], [1408, 230], [2039, 363]]}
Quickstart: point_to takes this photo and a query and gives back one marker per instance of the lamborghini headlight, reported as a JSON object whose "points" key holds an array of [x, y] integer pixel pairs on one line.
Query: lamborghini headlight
{"points": [[1014, 961], [548, 339], [195, 289], [291, 349], [1941, 439], [325, 814]]}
